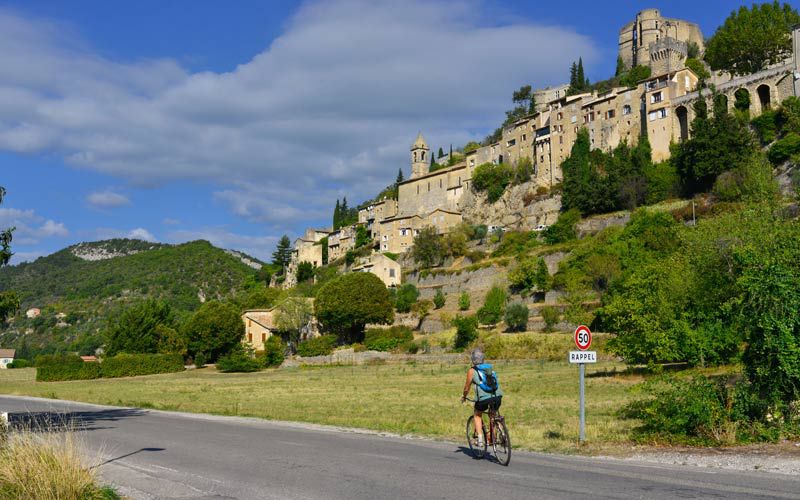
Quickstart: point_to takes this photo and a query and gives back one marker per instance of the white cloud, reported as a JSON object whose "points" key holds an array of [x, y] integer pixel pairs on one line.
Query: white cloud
{"points": [[260, 247], [139, 233], [142, 234], [329, 108], [31, 228], [20, 257], [107, 199]]}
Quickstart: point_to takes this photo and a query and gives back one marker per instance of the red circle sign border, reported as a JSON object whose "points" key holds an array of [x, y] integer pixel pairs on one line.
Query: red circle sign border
{"points": [[582, 328]]}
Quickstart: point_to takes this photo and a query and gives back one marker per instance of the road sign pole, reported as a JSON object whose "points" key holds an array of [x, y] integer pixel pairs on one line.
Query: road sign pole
{"points": [[582, 435]]}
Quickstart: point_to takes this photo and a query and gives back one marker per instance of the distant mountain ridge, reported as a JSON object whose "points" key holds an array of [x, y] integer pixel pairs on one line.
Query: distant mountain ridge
{"points": [[79, 288], [107, 269]]}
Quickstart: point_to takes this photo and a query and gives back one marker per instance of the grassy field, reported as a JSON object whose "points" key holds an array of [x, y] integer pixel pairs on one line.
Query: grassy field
{"points": [[541, 402]]}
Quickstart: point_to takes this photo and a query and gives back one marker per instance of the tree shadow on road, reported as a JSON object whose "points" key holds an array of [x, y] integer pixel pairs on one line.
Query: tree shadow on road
{"points": [[54, 421]]}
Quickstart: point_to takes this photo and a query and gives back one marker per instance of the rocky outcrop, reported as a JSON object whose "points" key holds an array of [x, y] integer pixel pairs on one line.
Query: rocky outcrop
{"points": [[519, 208], [593, 225]]}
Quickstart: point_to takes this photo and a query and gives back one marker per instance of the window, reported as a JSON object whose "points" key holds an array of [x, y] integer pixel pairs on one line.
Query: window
{"points": [[511, 143], [561, 140], [423, 156], [250, 337], [610, 114], [417, 189], [402, 232], [385, 246], [391, 273], [560, 116], [656, 97], [573, 119], [440, 184], [385, 237], [626, 109], [263, 337], [524, 136], [657, 114], [429, 186]]}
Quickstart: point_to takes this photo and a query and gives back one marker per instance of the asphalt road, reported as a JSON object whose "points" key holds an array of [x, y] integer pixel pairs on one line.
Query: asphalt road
{"points": [[153, 454]]}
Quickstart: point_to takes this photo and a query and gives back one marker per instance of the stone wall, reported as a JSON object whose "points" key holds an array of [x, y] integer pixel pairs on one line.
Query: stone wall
{"points": [[510, 210], [349, 357]]}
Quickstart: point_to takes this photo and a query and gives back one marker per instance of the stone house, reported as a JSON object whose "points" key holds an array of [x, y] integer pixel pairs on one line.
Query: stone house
{"points": [[6, 357], [259, 325], [389, 271], [340, 242]]}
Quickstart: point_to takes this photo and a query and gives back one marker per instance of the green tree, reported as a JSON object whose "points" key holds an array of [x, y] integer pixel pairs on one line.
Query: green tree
{"points": [[516, 317], [439, 299], [337, 215], [620, 67], [347, 303], [698, 67], [493, 307], [214, 329], [719, 143], [494, 179], [427, 249], [273, 352], [136, 329], [752, 39], [466, 331], [441, 153], [407, 296], [305, 272], [564, 228], [362, 237], [9, 302], [400, 177], [292, 315], [542, 277], [282, 255]]}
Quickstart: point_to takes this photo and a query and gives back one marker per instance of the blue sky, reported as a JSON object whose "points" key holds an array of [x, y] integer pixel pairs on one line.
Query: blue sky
{"points": [[238, 122]]}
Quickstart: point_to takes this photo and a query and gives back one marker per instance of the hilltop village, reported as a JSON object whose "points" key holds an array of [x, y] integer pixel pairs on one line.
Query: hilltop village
{"points": [[658, 107]]}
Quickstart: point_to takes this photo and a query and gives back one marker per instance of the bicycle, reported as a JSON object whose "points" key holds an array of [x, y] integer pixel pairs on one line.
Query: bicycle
{"points": [[497, 437]]}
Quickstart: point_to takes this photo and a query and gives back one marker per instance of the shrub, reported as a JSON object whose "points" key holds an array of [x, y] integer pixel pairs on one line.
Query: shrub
{"points": [[318, 346], [57, 359], [439, 299], [463, 301], [59, 372], [564, 228], [493, 179], [466, 331], [493, 307], [199, 360], [48, 466], [531, 273], [422, 308], [132, 365], [785, 148], [20, 363], [238, 361], [379, 339], [688, 411], [407, 295], [273, 352], [476, 255], [517, 317], [765, 125], [550, 315], [347, 303]]}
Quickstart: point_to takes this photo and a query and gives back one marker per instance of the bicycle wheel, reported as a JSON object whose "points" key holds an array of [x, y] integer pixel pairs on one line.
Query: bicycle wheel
{"points": [[501, 444], [472, 439]]}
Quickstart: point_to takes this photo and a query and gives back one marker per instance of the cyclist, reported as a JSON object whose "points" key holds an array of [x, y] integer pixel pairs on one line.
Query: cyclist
{"points": [[484, 400]]}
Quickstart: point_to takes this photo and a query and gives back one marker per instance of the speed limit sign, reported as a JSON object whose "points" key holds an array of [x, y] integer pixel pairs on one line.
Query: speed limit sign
{"points": [[583, 337]]}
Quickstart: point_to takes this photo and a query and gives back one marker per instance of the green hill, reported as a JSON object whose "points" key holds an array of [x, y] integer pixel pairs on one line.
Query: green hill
{"points": [[79, 287]]}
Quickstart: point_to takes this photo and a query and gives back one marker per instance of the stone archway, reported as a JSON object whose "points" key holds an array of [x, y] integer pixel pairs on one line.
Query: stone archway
{"points": [[742, 99], [683, 122], [763, 92]]}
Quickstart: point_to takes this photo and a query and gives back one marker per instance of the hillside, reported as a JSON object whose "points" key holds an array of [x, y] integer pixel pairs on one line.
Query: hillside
{"points": [[77, 288]]}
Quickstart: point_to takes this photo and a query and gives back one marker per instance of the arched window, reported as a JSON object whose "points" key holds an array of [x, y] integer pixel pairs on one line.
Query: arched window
{"points": [[423, 156]]}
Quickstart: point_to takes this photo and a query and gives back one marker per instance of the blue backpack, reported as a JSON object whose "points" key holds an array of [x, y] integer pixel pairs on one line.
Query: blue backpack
{"points": [[487, 377]]}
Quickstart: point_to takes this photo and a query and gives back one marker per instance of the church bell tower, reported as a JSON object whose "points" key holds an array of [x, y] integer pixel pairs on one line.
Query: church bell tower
{"points": [[420, 157]]}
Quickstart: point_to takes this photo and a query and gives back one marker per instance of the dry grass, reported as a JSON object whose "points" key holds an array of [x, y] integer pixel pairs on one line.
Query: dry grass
{"points": [[541, 402], [46, 466]]}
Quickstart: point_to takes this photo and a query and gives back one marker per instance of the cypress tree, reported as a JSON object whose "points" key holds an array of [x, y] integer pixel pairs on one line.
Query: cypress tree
{"points": [[283, 253], [580, 77], [573, 75], [399, 176], [336, 215], [441, 153]]}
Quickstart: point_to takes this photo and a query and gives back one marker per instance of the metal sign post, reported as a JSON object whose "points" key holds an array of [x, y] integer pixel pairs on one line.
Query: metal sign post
{"points": [[583, 339]]}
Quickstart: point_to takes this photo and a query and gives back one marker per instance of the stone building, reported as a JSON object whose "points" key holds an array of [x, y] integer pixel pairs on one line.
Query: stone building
{"points": [[259, 325], [383, 267], [653, 40], [307, 248]]}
